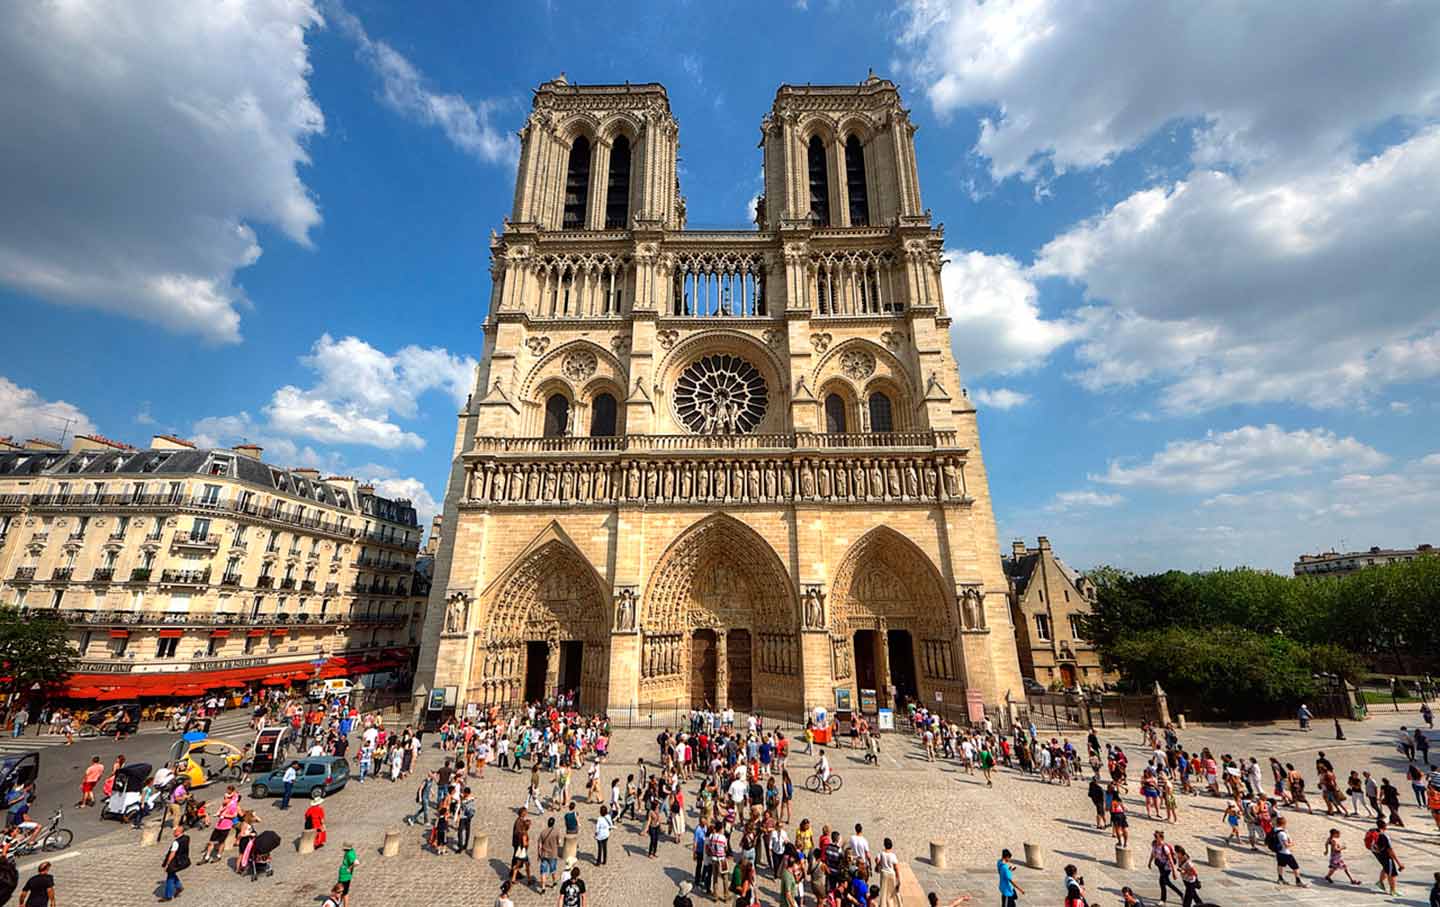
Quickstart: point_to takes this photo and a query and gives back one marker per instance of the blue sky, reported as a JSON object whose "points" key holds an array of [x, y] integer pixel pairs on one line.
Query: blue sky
{"points": [[1191, 249]]}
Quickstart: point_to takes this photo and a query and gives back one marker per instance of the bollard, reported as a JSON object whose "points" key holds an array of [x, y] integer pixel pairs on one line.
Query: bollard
{"points": [[1123, 860], [569, 848], [1181, 719], [391, 847], [150, 835], [307, 841], [937, 854], [1216, 857], [1034, 856], [479, 846]]}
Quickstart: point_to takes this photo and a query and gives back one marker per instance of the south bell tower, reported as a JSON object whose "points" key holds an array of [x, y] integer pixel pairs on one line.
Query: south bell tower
{"points": [[725, 467]]}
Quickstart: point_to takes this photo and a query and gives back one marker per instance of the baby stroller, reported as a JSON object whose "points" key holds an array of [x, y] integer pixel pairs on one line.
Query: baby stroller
{"points": [[194, 815], [260, 850]]}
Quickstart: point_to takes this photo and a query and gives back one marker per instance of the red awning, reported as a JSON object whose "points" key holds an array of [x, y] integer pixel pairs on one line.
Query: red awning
{"points": [[105, 687], [115, 695], [119, 634], [171, 634], [275, 682], [189, 689], [280, 631], [255, 633], [219, 633]]}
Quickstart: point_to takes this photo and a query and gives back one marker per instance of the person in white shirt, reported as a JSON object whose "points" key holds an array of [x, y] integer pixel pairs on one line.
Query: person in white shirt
{"points": [[603, 826], [371, 735], [823, 766], [739, 790], [887, 864], [859, 846]]}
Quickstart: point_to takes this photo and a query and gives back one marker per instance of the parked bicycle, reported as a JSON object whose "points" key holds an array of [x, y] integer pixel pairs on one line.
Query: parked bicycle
{"points": [[51, 838]]}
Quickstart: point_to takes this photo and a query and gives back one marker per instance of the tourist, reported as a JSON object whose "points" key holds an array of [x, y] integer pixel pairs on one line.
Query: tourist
{"points": [[1390, 799], [336, 897], [1162, 858], [572, 891], [1119, 823], [1279, 842], [549, 855], [603, 827], [288, 779], [1074, 888], [349, 859], [682, 896], [1334, 852], [1379, 844], [39, 890], [1009, 890], [1304, 714], [1189, 877], [92, 775], [176, 861]]}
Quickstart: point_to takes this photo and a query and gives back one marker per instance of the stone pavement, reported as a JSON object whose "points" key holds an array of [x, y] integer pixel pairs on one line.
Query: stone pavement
{"points": [[905, 798]]}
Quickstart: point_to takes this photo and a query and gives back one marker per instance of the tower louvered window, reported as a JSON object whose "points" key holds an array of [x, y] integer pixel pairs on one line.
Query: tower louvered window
{"points": [[577, 184], [855, 183], [819, 184], [617, 192]]}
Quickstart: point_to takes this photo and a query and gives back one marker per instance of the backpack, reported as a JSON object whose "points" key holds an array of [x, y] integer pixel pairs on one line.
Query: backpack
{"points": [[1371, 837], [1272, 840]]}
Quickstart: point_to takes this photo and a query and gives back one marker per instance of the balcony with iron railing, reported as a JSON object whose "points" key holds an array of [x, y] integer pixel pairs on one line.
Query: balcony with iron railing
{"points": [[140, 575], [287, 583], [265, 582], [307, 585], [61, 574], [39, 538], [383, 566], [102, 575], [206, 541], [230, 579], [186, 577], [23, 575], [55, 501]]}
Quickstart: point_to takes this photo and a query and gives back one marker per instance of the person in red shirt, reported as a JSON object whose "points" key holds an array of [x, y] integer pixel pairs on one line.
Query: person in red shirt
{"points": [[93, 771]]}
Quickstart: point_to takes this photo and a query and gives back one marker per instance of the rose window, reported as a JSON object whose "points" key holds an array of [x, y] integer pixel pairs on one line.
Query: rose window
{"points": [[720, 395]]}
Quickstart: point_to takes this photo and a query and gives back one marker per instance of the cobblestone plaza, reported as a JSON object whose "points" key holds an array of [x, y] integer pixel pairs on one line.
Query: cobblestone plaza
{"points": [[906, 798]]}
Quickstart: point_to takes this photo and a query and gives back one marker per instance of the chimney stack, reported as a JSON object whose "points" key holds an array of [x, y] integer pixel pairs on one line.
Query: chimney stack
{"points": [[1044, 543], [253, 451], [1017, 548]]}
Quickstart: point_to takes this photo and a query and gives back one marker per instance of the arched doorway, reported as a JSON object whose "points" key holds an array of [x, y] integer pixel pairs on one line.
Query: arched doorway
{"points": [[720, 622], [889, 611], [545, 629]]}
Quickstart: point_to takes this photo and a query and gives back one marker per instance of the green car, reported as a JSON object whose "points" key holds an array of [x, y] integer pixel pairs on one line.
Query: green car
{"points": [[325, 774]]}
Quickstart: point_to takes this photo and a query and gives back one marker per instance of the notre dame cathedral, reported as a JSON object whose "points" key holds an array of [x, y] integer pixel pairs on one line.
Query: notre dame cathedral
{"points": [[718, 467]]}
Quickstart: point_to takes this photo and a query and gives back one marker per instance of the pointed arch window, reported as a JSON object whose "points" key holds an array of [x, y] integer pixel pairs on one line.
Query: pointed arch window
{"points": [[819, 183], [855, 183], [557, 416], [882, 415], [617, 191], [835, 422], [602, 417], [577, 184]]}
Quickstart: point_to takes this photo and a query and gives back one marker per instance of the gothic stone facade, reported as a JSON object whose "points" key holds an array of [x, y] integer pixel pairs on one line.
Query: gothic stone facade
{"points": [[731, 467]]}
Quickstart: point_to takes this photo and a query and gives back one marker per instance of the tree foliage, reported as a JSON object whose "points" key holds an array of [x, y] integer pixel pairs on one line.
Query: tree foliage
{"points": [[33, 650], [1245, 642]]}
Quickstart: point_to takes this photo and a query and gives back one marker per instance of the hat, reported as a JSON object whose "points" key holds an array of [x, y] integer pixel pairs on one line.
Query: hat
{"points": [[685, 888]]}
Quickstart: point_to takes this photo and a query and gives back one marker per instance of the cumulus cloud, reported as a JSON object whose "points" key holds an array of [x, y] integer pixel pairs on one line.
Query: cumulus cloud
{"points": [[359, 389], [1073, 83], [469, 125], [1000, 397], [1227, 289], [25, 414], [1245, 456], [1067, 501], [202, 112], [997, 326]]}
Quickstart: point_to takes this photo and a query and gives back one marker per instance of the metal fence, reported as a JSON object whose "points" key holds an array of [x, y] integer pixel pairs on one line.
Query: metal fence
{"points": [[1073, 712]]}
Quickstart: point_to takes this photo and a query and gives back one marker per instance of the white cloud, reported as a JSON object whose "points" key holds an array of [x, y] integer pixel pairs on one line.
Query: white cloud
{"points": [[167, 128], [358, 391], [997, 326], [1246, 290], [25, 414], [694, 67], [1245, 456], [1073, 84], [1067, 501], [1399, 406], [1001, 397], [468, 125], [389, 485]]}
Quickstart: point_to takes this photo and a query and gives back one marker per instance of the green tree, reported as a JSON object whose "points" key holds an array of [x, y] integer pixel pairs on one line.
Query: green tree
{"points": [[33, 651]]}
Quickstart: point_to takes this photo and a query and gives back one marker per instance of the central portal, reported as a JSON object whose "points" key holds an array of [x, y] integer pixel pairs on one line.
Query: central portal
{"points": [[737, 664], [537, 663], [703, 670], [572, 653]]}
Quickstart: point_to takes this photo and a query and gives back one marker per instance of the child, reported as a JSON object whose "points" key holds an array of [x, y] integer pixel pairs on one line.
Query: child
{"points": [[1334, 850], [1232, 818]]}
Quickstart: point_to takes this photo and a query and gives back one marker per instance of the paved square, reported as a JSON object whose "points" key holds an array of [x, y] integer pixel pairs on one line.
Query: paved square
{"points": [[906, 798]]}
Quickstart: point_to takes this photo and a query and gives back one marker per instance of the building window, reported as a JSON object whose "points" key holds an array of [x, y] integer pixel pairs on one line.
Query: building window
{"points": [[819, 183], [835, 422], [1042, 627], [1075, 628], [165, 648], [602, 416], [211, 496], [855, 183], [250, 642], [882, 417], [577, 185], [118, 645], [200, 529], [617, 193], [557, 416], [213, 647]]}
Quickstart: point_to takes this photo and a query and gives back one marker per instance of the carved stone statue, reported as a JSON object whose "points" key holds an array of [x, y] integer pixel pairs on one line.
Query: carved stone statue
{"points": [[625, 610], [456, 613], [972, 609], [814, 608]]}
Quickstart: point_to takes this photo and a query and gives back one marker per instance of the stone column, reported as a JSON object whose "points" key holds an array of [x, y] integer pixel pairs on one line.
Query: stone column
{"points": [[599, 176], [882, 667], [722, 671]]}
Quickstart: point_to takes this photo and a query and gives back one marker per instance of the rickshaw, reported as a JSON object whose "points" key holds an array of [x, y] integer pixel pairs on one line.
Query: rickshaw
{"points": [[16, 771], [123, 718], [206, 761], [125, 793], [270, 745]]}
